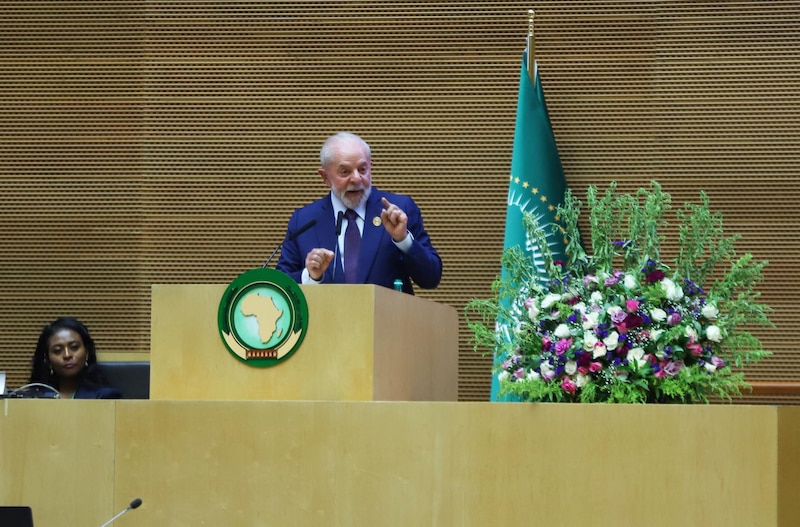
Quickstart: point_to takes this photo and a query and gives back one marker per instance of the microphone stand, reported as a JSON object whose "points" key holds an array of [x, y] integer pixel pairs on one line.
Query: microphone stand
{"points": [[134, 504], [271, 256]]}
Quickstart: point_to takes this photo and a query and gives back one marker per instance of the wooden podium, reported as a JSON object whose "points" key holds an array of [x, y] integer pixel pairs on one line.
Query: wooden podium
{"points": [[363, 343]]}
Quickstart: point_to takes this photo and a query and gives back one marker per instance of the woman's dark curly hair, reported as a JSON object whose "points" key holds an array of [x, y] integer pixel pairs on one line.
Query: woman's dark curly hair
{"points": [[41, 371]]}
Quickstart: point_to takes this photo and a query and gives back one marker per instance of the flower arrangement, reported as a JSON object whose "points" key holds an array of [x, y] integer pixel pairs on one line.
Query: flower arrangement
{"points": [[620, 325]]}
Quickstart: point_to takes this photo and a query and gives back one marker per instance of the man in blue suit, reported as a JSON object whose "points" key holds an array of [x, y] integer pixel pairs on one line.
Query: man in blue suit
{"points": [[393, 243]]}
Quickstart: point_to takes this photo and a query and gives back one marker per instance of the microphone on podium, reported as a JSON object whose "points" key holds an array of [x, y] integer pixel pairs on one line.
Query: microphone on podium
{"points": [[336, 247], [289, 238], [339, 223], [134, 505]]}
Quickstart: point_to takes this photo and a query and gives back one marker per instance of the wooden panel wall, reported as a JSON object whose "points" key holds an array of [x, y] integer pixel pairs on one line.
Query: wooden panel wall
{"points": [[151, 142]]}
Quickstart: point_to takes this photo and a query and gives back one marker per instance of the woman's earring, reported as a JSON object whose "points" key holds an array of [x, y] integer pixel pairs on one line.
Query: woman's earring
{"points": [[86, 363]]}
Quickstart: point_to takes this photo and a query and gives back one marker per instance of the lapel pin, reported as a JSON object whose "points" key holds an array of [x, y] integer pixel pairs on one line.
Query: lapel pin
{"points": [[376, 221]]}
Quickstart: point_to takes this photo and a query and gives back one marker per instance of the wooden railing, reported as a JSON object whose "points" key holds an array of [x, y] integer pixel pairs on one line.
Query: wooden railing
{"points": [[781, 388]]}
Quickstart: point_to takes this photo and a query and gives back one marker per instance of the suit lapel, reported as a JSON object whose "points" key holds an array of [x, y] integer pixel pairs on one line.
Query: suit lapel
{"points": [[371, 237]]}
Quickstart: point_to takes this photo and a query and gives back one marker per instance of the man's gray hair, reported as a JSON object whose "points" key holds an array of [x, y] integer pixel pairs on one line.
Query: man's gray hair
{"points": [[326, 152]]}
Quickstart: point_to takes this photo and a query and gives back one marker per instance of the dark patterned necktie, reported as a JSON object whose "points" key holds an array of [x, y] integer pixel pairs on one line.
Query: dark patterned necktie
{"points": [[352, 244]]}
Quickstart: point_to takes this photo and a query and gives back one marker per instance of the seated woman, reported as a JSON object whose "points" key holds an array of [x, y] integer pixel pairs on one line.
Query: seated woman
{"points": [[66, 359]]}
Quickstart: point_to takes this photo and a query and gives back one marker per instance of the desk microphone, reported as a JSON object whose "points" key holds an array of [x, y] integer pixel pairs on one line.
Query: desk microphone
{"points": [[134, 504], [339, 223], [289, 238], [339, 217]]}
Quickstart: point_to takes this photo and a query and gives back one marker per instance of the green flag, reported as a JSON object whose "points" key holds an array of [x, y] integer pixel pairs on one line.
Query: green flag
{"points": [[537, 183]]}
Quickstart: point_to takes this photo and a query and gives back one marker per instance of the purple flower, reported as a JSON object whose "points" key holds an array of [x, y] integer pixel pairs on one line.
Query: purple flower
{"points": [[618, 317], [672, 368], [563, 345]]}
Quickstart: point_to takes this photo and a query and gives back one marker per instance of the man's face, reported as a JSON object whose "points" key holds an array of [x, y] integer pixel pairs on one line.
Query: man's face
{"points": [[349, 173]]}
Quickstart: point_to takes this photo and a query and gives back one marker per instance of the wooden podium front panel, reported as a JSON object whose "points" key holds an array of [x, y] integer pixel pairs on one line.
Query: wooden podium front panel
{"points": [[189, 361], [363, 343]]}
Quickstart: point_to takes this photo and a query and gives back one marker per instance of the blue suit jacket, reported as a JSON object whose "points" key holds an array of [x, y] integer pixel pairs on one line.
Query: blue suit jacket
{"points": [[380, 262]]}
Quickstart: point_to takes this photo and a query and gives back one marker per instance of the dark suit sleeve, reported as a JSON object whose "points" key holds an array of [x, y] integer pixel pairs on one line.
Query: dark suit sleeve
{"points": [[422, 261], [292, 259]]}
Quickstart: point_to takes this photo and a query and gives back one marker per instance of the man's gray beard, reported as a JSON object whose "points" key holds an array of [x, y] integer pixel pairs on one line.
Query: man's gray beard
{"points": [[349, 204]]}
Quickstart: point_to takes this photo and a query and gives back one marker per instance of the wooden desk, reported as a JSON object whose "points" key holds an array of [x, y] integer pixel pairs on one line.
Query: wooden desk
{"points": [[258, 463]]}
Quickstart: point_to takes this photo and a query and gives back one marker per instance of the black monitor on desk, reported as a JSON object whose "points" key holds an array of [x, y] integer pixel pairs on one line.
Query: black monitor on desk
{"points": [[16, 516]]}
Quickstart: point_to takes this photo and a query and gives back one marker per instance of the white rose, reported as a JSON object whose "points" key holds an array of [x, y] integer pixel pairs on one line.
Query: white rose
{"points": [[581, 380], [635, 353], [571, 367], [629, 281], [599, 350], [503, 376], [713, 333], [710, 311], [562, 331], [589, 340], [656, 334], [710, 367], [545, 367], [596, 298], [611, 340], [636, 356], [613, 309], [690, 333], [672, 291], [580, 307], [532, 376], [533, 312], [659, 315], [550, 299], [590, 320]]}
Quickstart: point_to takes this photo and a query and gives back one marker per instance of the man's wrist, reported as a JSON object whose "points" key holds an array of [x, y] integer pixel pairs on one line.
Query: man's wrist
{"points": [[405, 244], [306, 278]]}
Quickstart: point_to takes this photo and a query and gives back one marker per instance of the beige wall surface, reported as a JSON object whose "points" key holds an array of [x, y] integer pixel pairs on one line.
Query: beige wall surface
{"points": [[259, 463]]}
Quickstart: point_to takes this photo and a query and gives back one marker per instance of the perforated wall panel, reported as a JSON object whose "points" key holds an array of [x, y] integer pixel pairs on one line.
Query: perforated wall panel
{"points": [[162, 142]]}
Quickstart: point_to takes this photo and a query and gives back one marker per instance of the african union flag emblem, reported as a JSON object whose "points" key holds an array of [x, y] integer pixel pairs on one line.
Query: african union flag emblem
{"points": [[263, 317]]}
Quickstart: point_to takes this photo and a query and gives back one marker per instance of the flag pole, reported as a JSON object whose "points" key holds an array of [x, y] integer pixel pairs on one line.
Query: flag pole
{"points": [[531, 46]]}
